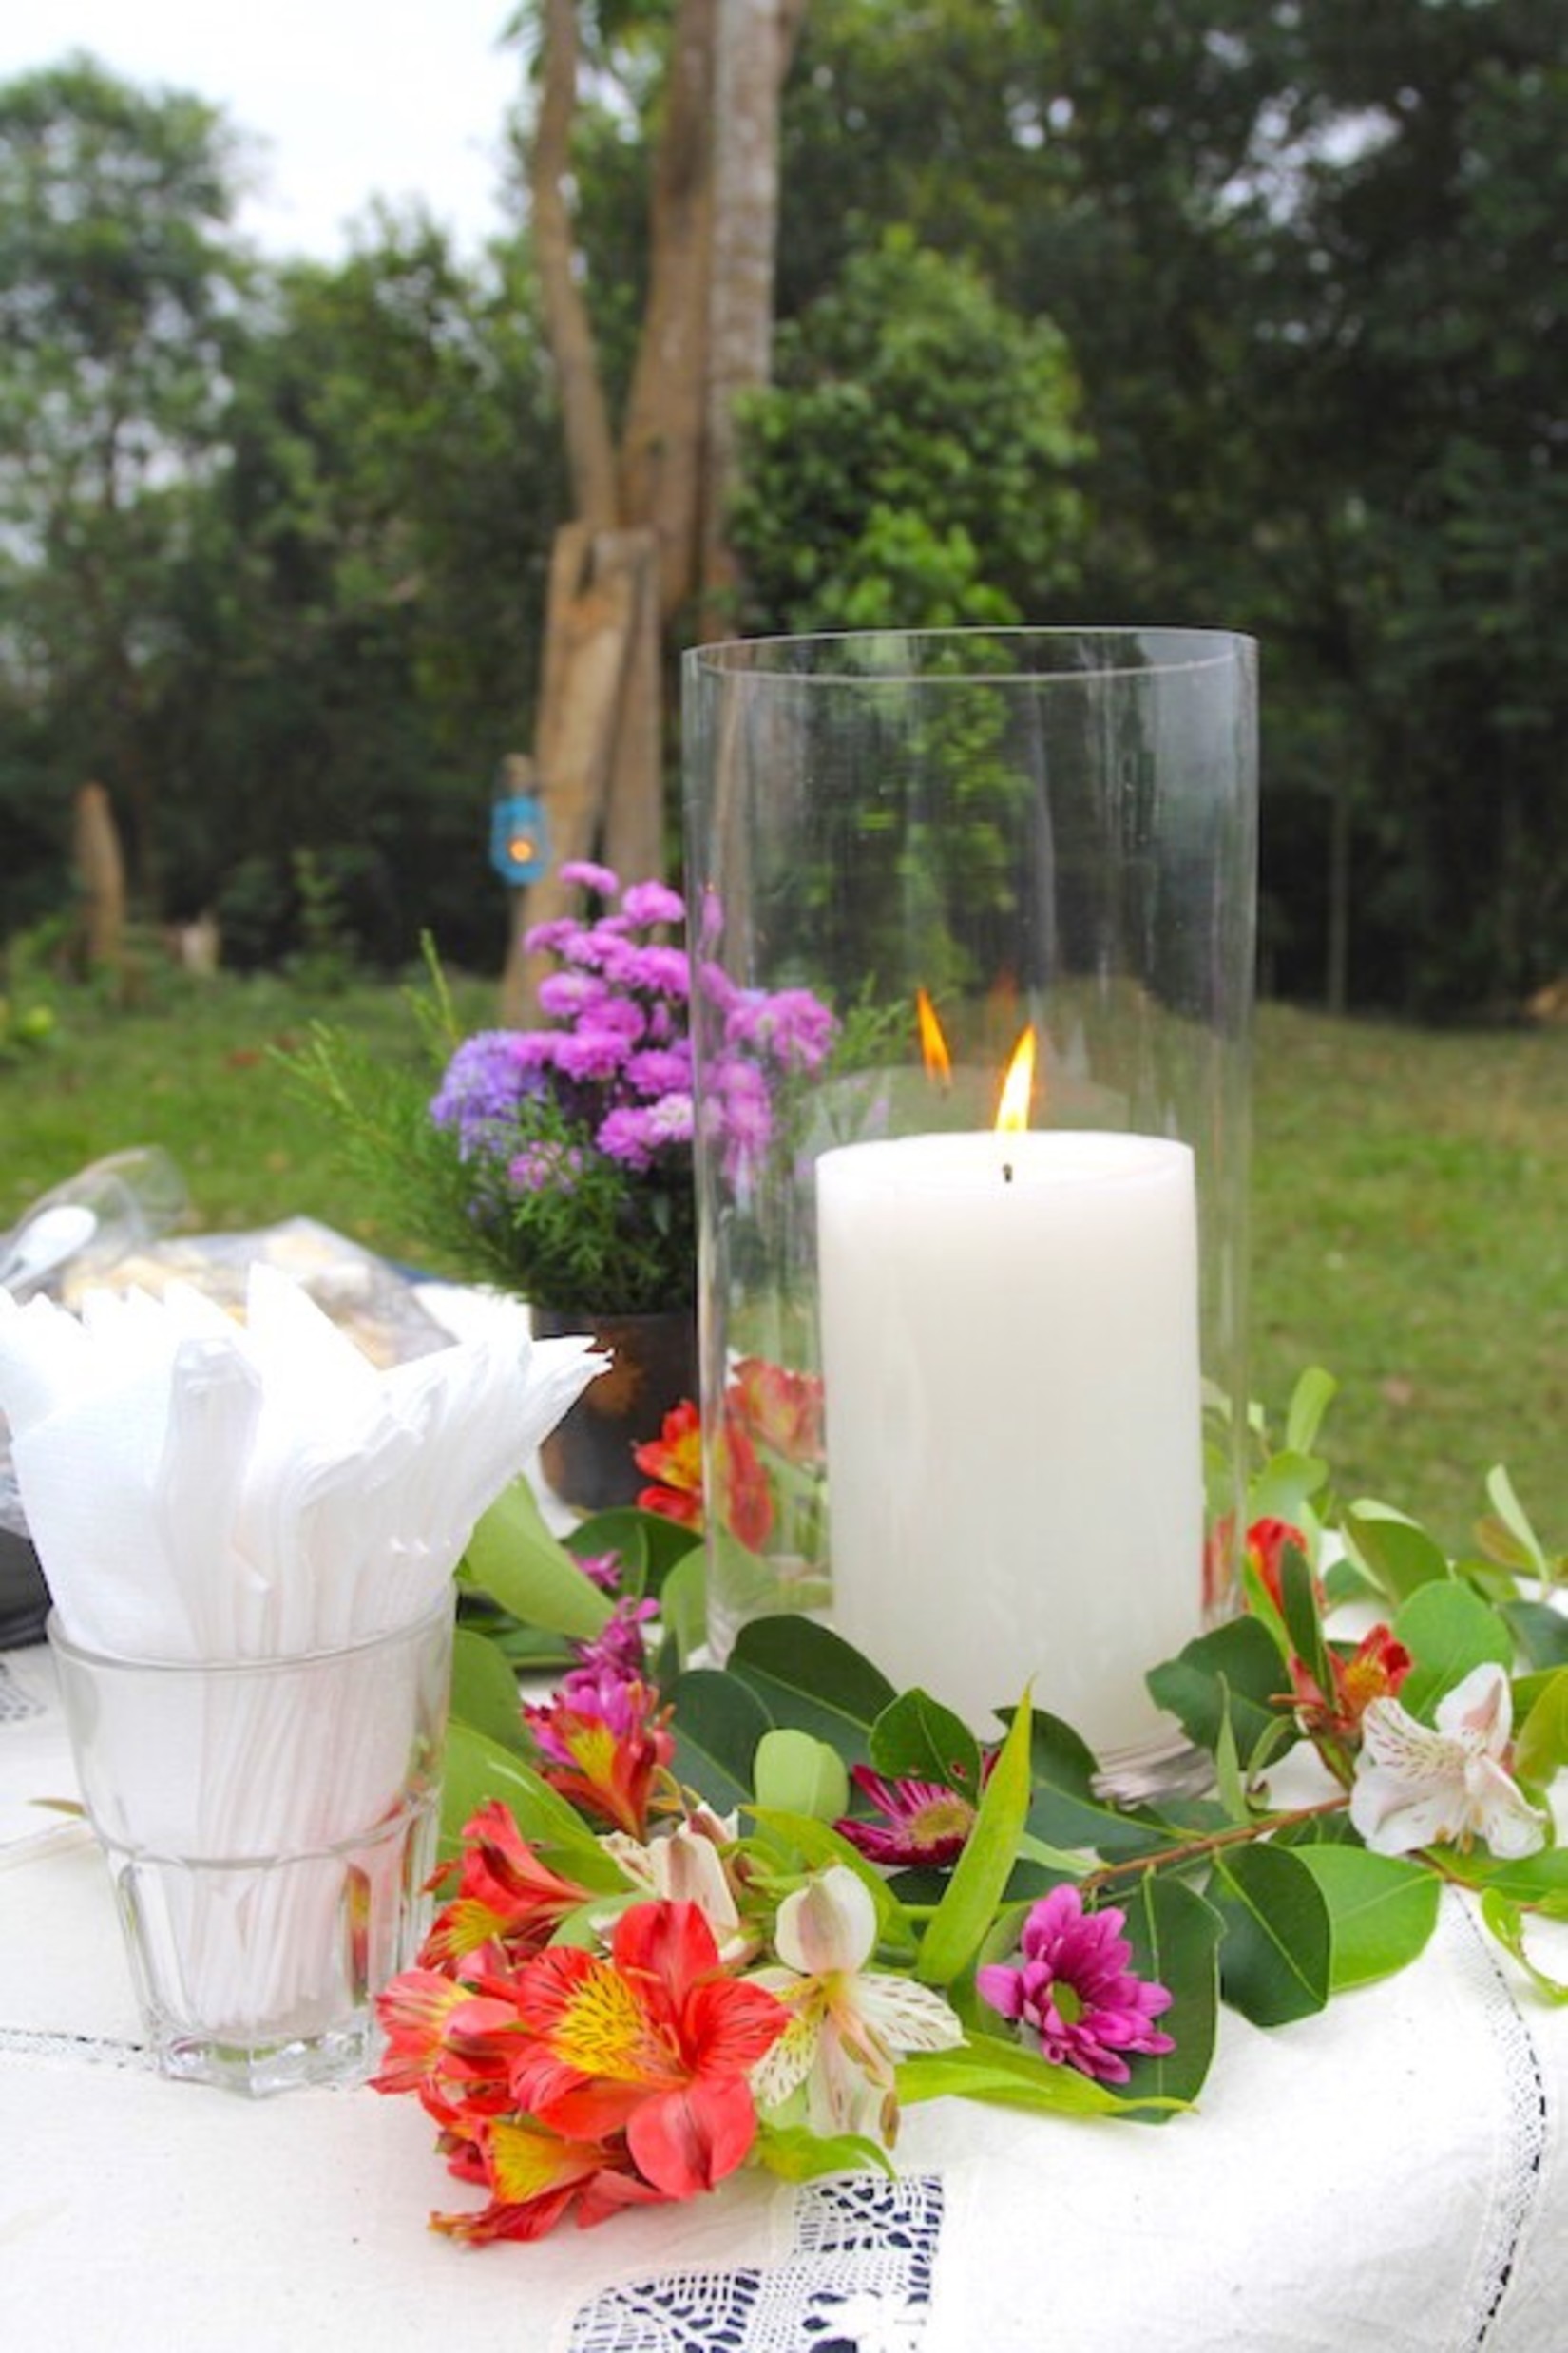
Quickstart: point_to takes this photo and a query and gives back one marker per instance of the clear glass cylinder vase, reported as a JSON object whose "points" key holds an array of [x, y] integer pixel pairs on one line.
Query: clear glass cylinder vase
{"points": [[973, 1213]]}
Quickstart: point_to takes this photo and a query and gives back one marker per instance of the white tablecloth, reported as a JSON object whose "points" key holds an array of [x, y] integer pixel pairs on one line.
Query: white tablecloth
{"points": [[1392, 2175]]}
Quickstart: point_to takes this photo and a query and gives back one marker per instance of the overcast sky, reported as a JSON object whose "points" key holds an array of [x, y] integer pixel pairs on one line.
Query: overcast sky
{"points": [[346, 99]]}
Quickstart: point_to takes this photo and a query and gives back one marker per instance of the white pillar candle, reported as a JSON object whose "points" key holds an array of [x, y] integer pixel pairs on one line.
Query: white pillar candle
{"points": [[1010, 1352]]}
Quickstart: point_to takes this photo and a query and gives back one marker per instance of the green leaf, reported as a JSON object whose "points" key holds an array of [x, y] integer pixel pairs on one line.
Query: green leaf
{"points": [[797, 2154], [809, 1677], [512, 1557], [917, 1739], [1540, 1632], [1310, 1401], [485, 1688], [799, 1843], [477, 1768], [1382, 1910], [980, 1872], [1302, 1622], [683, 1612], [1066, 1808], [1283, 1487], [1238, 1670], [717, 1724], [794, 1773], [1397, 1555], [1003, 2072], [1505, 1502], [648, 1544], [1174, 1935], [1447, 1630], [1275, 1959], [1507, 1923], [1541, 1751]]}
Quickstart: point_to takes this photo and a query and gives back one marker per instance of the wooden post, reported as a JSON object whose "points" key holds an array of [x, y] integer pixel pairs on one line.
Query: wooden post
{"points": [[100, 882]]}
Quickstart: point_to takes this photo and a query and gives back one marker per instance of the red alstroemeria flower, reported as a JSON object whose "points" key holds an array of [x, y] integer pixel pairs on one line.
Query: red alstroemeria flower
{"points": [[506, 1897], [1267, 1540], [1374, 1670], [782, 1410], [535, 2177], [674, 1461], [603, 1741], [744, 1500], [452, 2046], [925, 1821], [654, 2041]]}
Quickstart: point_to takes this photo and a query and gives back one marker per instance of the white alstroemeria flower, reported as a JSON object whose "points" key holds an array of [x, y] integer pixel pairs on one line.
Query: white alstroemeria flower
{"points": [[1420, 1786], [684, 1865], [847, 2024]]}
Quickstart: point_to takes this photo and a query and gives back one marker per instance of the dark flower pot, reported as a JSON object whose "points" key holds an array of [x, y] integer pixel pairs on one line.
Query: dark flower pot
{"points": [[587, 1460]]}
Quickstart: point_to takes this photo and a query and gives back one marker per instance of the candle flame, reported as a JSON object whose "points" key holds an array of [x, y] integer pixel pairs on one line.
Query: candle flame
{"points": [[933, 1045], [1012, 1115]]}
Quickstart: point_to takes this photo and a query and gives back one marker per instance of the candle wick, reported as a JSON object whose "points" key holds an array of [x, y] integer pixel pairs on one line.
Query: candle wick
{"points": [[1008, 1171]]}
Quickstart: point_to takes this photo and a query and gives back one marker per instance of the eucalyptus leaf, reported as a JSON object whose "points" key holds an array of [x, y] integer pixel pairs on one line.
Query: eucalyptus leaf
{"points": [[483, 1690], [798, 1775], [1447, 1631], [649, 1546], [1315, 1392], [1541, 1749], [1175, 1938], [478, 1769], [1298, 1593], [1236, 1672], [512, 1557], [980, 1872], [1382, 1910], [684, 1613], [1066, 1808], [717, 1724], [1505, 1502], [917, 1739], [1540, 1632], [1398, 1556], [1275, 1957], [1283, 1487], [807, 1676]]}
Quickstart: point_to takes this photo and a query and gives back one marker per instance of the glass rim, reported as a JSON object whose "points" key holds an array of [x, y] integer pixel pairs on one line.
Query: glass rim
{"points": [[1185, 649], [282, 1662]]}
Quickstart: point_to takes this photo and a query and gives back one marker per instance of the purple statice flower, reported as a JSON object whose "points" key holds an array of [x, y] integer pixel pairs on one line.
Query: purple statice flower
{"points": [[566, 996], [596, 1050], [651, 902], [716, 988], [662, 1070], [659, 971], [590, 876], [792, 1025], [542, 1166], [550, 938], [482, 1087], [1071, 1992], [617, 1649], [741, 1113], [628, 1135]]}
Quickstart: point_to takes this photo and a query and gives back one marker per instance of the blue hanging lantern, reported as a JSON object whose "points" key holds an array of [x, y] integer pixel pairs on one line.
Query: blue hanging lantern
{"points": [[520, 847]]}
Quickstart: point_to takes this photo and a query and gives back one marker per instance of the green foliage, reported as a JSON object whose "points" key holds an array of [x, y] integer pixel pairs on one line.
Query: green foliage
{"points": [[913, 466]]}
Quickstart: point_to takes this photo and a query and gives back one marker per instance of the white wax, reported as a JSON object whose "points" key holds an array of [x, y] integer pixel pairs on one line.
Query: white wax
{"points": [[1013, 1416]]}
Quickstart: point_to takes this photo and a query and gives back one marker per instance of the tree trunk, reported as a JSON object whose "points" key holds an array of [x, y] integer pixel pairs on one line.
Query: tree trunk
{"points": [[648, 535], [101, 881]]}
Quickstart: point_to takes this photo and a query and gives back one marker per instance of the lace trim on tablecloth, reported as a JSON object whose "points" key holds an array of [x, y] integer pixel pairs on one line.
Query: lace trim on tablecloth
{"points": [[856, 2280], [1525, 2085], [26, 2043]]}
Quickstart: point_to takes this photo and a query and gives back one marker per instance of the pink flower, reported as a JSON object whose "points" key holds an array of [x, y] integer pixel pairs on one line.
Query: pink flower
{"points": [[926, 1822], [1072, 1992]]}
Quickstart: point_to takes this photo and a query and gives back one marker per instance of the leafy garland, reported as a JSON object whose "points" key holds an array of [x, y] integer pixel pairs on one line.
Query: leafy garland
{"points": [[820, 1898]]}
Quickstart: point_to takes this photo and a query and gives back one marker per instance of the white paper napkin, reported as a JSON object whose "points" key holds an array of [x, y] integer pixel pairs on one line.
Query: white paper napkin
{"points": [[202, 1490]]}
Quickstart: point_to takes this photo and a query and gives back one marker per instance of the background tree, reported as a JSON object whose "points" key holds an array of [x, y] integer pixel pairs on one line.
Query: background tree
{"points": [[117, 301]]}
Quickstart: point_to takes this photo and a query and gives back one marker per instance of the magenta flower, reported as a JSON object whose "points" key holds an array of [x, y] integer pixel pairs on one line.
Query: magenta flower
{"points": [[590, 876], [926, 1822], [653, 902], [1072, 1993], [617, 1650]]}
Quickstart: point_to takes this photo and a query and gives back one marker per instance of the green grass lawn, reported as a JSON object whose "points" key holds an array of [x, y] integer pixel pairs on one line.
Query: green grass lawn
{"points": [[1409, 1230]]}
